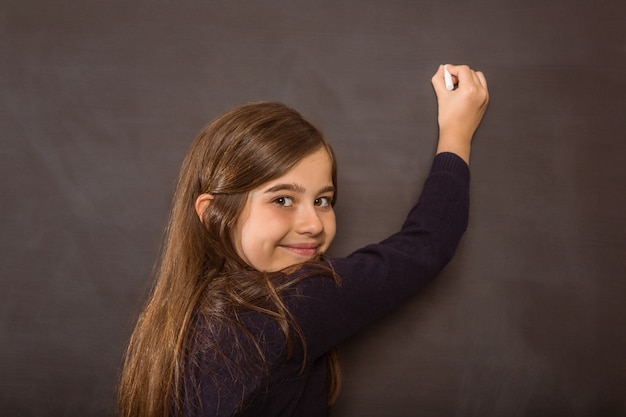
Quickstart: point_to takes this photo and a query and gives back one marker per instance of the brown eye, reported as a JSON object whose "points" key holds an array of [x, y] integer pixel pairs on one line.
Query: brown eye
{"points": [[323, 202], [283, 201]]}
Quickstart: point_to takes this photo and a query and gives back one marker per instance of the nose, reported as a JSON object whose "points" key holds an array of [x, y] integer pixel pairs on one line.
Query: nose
{"points": [[309, 221]]}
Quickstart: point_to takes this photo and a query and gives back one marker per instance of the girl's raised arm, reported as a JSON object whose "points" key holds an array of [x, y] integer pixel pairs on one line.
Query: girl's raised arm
{"points": [[460, 110]]}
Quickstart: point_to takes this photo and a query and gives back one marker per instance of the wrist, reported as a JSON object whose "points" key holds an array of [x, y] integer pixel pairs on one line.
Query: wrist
{"points": [[455, 144]]}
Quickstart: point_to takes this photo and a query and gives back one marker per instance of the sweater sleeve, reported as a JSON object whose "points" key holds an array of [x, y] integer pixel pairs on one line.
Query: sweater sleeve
{"points": [[374, 279], [378, 277]]}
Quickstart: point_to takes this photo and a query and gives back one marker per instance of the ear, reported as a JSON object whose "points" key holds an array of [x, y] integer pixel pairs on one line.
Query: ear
{"points": [[202, 204]]}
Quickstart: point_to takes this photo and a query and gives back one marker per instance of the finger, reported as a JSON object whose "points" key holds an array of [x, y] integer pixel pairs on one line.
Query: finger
{"points": [[482, 78], [462, 73], [457, 70], [438, 81], [475, 78]]}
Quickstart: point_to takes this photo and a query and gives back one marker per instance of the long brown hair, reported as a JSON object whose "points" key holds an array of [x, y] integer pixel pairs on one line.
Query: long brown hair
{"points": [[235, 153]]}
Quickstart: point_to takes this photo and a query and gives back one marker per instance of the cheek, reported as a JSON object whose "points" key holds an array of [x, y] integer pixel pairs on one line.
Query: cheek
{"points": [[235, 237], [247, 244], [330, 227], [256, 234], [239, 231]]}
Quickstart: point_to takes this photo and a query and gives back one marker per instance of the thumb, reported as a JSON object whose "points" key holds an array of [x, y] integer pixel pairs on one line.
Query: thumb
{"points": [[438, 81]]}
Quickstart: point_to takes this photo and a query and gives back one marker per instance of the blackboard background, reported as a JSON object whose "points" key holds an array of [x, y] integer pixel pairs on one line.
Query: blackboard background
{"points": [[100, 100]]}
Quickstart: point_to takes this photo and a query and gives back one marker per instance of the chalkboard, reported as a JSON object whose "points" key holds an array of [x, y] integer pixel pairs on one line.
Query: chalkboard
{"points": [[100, 101]]}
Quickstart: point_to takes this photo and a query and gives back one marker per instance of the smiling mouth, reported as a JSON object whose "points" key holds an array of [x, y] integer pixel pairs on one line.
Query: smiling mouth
{"points": [[308, 251]]}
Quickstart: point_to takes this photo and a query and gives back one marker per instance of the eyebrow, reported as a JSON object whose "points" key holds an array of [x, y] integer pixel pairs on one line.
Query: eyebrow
{"points": [[296, 189]]}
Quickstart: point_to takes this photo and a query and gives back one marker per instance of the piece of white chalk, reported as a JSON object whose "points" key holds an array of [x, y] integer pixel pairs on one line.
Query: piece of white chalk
{"points": [[448, 78]]}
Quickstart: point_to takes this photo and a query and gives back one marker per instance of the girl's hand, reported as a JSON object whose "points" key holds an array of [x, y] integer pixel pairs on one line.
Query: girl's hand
{"points": [[460, 110]]}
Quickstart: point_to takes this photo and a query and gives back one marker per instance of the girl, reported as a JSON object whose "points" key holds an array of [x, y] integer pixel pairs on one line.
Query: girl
{"points": [[247, 309]]}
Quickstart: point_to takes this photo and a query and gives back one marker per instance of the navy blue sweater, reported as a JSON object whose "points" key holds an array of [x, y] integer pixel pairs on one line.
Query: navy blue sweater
{"points": [[373, 280]]}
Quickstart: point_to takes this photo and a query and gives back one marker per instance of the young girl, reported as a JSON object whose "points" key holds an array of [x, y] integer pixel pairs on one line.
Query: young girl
{"points": [[247, 309]]}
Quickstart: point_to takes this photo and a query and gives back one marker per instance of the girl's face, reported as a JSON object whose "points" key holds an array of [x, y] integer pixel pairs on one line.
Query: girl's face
{"points": [[289, 220]]}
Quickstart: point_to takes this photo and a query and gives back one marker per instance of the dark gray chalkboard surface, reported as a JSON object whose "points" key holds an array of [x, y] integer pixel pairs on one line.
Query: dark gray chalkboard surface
{"points": [[100, 100]]}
